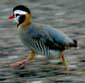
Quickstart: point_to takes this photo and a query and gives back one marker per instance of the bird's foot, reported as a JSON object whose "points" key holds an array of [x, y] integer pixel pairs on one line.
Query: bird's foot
{"points": [[65, 62], [19, 63]]}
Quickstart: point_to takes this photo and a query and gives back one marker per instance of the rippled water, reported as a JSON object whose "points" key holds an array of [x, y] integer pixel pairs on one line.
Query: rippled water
{"points": [[66, 15]]}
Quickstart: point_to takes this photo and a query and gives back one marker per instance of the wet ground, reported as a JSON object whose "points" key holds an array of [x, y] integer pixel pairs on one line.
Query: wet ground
{"points": [[66, 15]]}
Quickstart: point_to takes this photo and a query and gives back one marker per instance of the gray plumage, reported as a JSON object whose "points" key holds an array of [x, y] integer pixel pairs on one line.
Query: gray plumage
{"points": [[43, 38]]}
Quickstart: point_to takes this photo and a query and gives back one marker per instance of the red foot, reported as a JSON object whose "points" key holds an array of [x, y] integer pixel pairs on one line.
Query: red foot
{"points": [[19, 63], [62, 57]]}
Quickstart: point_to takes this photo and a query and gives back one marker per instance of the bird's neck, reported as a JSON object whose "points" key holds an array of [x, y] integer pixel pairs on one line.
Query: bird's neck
{"points": [[27, 22]]}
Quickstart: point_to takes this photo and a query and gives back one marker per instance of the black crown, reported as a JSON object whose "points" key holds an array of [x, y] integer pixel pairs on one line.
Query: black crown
{"points": [[22, 7]]}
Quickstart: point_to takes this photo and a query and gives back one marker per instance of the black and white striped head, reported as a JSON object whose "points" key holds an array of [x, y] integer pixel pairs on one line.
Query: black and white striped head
{"points": [[19, 14]]}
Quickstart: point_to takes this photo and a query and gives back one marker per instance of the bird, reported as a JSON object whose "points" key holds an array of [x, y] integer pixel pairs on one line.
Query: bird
{"points": [[39, 38]]}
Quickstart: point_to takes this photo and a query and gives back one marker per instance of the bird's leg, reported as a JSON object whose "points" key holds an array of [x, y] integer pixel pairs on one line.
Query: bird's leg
{"points": [[64, 61], [30, 57]]}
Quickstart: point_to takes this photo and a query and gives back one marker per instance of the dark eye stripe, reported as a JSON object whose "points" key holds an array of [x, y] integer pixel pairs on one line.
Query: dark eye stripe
{"points": [[17, 14]]}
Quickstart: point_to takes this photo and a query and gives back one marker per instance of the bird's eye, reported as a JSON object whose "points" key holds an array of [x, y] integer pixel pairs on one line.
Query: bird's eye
{"points": [[17, 15]]}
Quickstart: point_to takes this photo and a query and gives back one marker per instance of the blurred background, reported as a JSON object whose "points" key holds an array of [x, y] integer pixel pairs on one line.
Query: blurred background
{"points": [[66, 15]]}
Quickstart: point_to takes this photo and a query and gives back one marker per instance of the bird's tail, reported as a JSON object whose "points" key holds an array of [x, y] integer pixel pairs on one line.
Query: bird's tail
{"points": [[74, 44]]}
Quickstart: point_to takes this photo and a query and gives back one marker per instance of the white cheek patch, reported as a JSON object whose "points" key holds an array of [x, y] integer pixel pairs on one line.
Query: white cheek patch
{"points": [[19, 12], [16, 20]]}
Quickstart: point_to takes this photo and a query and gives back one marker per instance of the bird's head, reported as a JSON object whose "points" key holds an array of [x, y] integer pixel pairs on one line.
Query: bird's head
{"points": [[21, 15]]}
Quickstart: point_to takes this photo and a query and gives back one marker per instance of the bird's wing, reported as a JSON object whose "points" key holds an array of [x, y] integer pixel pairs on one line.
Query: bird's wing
{"points": [[58, 36]]}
